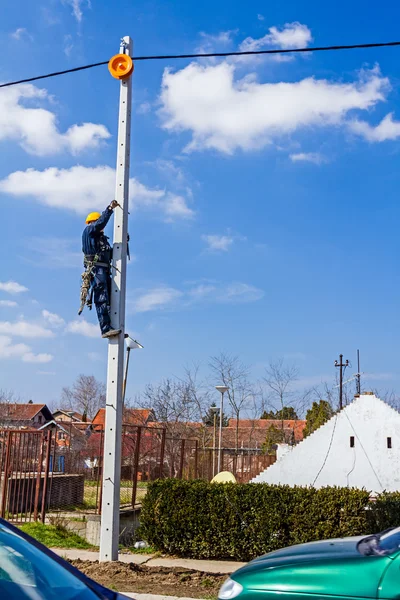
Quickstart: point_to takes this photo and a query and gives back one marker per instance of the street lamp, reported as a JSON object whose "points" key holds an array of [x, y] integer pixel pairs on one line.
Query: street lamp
{"points": [[214, 410], [222, 389], [131, 344]]}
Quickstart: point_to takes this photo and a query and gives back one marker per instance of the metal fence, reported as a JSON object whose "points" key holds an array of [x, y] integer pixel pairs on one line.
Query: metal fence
{"points": [[44, 471]]}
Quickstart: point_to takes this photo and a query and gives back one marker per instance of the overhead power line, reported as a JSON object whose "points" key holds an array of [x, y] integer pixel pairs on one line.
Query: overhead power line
{"points": [[209, 55]]}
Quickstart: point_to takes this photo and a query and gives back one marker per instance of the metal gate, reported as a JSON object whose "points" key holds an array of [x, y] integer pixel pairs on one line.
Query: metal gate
{"points": [[24, 472]]}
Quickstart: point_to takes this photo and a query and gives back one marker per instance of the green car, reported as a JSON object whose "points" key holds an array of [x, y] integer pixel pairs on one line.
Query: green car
{"points": [[355, 567]]}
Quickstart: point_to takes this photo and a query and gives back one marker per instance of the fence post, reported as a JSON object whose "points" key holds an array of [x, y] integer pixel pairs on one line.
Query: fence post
{"points": [[38, 479], [162, 453], [6, 469], [196, 452], [180, 472], [46, 476], [136, 465]]}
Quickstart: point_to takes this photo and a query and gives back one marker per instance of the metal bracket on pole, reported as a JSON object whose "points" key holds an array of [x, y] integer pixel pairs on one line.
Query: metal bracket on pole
{"points": [[110, 508]]}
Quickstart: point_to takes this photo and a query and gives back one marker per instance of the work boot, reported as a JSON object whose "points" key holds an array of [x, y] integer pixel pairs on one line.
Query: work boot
{"points": [[111, 333]]}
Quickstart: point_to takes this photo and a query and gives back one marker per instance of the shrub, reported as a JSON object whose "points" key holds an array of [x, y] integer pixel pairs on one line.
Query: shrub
{"points": [[241, 521]]}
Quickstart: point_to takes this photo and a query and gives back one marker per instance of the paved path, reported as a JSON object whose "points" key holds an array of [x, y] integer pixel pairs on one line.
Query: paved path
{"points": [[152, 596], [207, 566]]}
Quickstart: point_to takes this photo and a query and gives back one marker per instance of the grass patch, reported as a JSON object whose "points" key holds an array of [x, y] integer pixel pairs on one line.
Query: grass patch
{"points": [[55, 537]]}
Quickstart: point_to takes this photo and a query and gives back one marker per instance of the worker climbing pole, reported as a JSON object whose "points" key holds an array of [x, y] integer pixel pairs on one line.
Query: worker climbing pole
{"points": [[120, 67]]}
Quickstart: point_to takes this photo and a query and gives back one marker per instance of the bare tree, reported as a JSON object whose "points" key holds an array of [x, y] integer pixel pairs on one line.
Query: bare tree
{"points": [[279, 379], [199, 396], [86, 396], [235, 376], [8, 400]]}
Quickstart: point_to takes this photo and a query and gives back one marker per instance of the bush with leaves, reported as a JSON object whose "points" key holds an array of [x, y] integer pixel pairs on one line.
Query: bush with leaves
{"points": [[241, 521]]}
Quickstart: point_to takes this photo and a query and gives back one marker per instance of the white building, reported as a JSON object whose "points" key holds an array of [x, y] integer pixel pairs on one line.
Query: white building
{"points": [[359, 447]]}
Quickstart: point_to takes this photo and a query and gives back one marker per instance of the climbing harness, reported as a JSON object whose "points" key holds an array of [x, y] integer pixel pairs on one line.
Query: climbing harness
{"points": [[86, 285]]}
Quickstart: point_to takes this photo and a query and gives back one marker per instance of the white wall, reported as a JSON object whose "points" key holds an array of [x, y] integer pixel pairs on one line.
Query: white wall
{"points": [[370, 464]]}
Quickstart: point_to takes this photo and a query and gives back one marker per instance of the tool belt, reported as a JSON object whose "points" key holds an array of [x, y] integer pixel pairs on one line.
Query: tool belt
{"points": [[86, 296]]}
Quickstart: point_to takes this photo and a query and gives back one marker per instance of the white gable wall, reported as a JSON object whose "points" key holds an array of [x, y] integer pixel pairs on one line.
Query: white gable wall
{"points": [[370, 464]]}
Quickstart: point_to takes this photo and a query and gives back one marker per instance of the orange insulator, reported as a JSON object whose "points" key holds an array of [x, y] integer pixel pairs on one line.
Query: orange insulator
{"points": [[120, 66]]}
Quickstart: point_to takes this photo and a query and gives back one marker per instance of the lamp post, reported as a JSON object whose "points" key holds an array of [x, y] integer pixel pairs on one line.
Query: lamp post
{"points": [[214, 410], [222, 389], [131, 344]]}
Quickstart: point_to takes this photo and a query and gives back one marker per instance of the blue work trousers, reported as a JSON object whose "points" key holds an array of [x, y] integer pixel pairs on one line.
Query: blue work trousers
{"points": [[101, 297]]}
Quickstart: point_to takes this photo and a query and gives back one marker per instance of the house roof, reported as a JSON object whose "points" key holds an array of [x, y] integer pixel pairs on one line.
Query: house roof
{"points": [[68, 413], [132, 416], [296, 426], [24, 412]]}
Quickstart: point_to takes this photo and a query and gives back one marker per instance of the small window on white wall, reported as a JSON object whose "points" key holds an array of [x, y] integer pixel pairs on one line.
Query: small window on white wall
{"points": [[389, 442], [352, 441]]}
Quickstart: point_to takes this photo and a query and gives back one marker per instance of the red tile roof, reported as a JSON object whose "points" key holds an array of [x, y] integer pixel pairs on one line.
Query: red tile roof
{"points": [[132, 416], [23, 412], [297, 426]]}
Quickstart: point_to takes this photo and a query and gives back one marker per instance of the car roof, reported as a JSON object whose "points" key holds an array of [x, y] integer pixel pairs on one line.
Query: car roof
{"points": [[93, 585]]}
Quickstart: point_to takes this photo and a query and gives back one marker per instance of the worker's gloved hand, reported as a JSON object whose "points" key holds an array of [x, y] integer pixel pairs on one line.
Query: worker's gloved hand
{"points": [[113, 204]]}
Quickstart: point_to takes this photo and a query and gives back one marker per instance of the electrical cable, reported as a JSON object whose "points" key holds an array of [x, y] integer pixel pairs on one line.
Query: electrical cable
{"points": [[328, 451], [363, 449], [210, 55]]}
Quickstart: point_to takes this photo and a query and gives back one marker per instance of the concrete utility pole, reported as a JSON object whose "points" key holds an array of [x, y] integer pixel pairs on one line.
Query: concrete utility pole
{"points": [[120, 68], [341, 365]]}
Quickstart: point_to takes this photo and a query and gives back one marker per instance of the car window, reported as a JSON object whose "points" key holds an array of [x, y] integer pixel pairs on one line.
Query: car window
{"points": [[26, 573], [390, 541]]}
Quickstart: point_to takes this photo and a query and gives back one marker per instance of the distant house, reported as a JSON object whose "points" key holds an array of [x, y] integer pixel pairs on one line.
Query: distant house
{"points": [[358, 447], [252, 433], [68, 416], [131, 416], [25, 416]]}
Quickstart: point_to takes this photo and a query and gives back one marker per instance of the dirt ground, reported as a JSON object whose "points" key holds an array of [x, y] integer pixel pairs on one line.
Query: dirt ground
{"points": [[152, 580]]}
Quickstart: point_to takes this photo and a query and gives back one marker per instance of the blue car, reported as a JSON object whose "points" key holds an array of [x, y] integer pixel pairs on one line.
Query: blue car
{"points": [[30, 571]]}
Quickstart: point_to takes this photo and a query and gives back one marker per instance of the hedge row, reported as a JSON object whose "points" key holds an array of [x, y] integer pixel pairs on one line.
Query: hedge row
{"points": [[241, 521]]}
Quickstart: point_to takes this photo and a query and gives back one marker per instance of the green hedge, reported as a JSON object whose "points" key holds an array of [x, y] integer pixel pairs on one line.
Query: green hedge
{"points": [[240, 521]]}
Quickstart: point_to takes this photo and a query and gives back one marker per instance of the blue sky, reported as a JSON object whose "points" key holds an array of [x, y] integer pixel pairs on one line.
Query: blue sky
{"points": [[264, 208]]}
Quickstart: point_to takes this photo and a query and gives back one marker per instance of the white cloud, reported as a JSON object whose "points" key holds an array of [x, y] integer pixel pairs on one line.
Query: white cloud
{"points": [[95, 356], [35, 128], [12, 287], [260, 17], [214, 42], [29, 357], [218, 243], [176, 207], [312, 157], [68, 45], [8, 350], [240, 293], [57, 188], [205, 292], [226, 114], [157, 298], [53, 253], [8, 303], [20, 34], [292, 35], [388, 129], [77, 7], [144, 108], [24, 329], [82, 327], [22, 351], [52, 319]]}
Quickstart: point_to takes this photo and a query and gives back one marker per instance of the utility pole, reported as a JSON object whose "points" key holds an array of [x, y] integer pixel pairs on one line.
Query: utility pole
{"points": [[121, 68], [341, 365], [358, 376]]}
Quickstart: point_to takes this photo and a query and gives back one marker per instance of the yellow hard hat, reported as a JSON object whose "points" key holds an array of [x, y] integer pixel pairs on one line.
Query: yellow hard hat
{"points": [[93, 216]]}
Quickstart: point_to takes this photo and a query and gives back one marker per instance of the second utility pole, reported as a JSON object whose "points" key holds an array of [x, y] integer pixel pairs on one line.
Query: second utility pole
{"points": [[341, 364]]}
